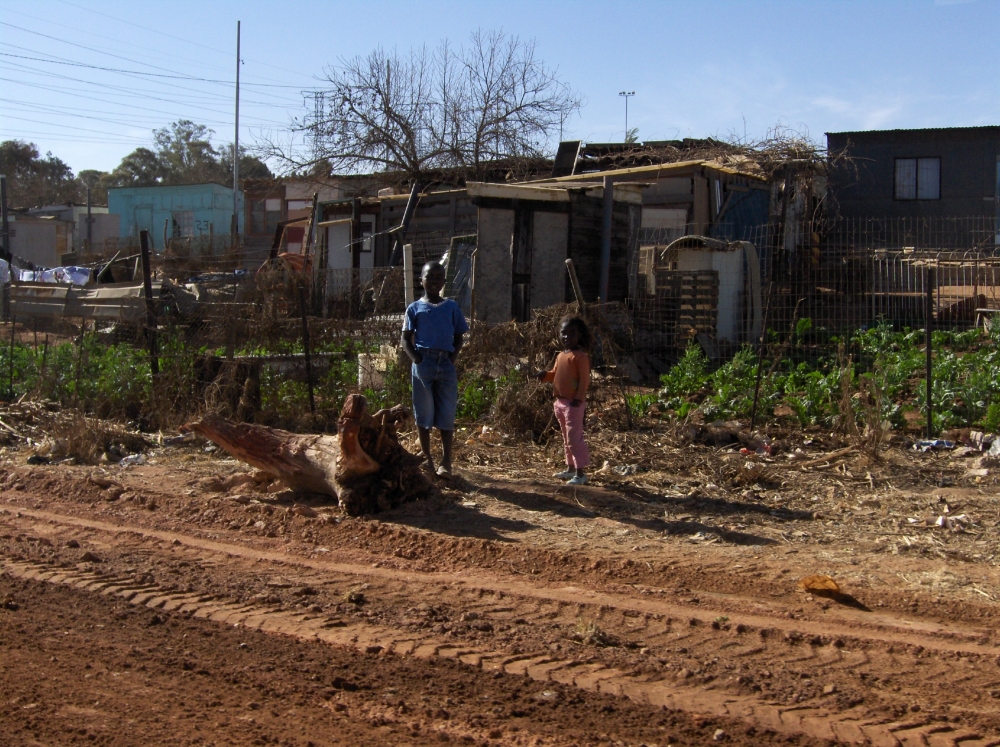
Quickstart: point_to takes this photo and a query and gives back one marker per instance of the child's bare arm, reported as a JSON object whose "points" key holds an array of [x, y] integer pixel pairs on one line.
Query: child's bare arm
{"points": [[458, 343], [407, 342]]}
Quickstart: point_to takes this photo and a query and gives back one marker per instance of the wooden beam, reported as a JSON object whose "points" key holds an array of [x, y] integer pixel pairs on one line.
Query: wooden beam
{"points": [[518, 192]]}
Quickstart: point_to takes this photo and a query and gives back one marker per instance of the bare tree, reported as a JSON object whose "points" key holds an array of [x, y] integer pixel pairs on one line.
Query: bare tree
{"points": [[452, 108]]}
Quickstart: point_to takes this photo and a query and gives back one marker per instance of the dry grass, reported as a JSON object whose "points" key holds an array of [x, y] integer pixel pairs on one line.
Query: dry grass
{"points": [[87, 439]]}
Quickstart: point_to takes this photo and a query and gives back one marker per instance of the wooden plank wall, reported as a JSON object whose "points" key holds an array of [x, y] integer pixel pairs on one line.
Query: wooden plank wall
{"points": [[437, 219], [585, 223]]}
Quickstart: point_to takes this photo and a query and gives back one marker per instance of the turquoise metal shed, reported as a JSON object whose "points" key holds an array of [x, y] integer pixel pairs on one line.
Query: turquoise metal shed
{"points": [[188, 211]]}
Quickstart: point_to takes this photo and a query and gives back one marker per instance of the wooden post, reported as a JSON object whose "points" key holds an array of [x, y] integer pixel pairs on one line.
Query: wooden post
{"points": [[606, 225], [147, 292], [10, 388], [472, 294], [305, 341], [355, 296], [408, 274], [930, 281], [45, 355], [576, 285]]}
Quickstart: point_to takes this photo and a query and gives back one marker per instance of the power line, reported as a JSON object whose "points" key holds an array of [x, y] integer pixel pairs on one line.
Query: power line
{"points": [[200, 92], [160, 54], [178, 38], [139, 72], [77, 128], [31, 135], [146, 121], [135, 91]]}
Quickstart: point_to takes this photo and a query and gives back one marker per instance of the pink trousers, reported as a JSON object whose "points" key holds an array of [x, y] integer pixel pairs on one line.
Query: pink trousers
{"points": [[571, 424]]}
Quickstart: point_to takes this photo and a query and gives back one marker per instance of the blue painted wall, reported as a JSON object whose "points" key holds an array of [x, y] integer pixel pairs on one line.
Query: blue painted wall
{"points": [[148, 207]]}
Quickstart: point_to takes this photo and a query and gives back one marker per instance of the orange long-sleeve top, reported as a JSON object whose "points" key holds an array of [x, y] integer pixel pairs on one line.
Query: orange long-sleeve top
{"points": [[570, 376]]}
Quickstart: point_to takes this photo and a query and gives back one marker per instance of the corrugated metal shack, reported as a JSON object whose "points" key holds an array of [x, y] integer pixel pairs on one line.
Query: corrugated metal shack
{"points": [[526, 233]]}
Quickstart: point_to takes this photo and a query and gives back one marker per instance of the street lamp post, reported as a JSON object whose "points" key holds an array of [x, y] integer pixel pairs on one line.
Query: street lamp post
{"points": [[626, 94]]}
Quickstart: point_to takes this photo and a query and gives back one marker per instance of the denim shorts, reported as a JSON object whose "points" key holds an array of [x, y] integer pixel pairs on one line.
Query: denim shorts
{"points": [[435, 390]]}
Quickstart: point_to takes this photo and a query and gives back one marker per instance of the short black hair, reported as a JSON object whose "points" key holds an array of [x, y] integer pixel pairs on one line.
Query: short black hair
{"points": [[584, 337], [430, 267]]}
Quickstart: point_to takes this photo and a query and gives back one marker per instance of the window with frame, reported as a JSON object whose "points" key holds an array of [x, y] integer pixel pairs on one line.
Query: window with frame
{"points": [[183, 224], [264, 216], [918, 179]]}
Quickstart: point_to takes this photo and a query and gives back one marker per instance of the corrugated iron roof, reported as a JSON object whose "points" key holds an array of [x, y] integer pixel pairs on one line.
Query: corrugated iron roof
{"points": [[915, 129], [654, 171]]}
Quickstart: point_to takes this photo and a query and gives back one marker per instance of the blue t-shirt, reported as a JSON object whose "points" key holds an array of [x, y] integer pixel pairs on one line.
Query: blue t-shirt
{"points": [[435, 325]]}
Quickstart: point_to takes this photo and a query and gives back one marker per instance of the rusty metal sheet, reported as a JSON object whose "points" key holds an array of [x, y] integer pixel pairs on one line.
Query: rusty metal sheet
{"points": [[114, 302]]}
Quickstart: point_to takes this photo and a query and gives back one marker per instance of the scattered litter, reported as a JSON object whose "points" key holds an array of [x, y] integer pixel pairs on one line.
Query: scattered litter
{"points": [[38, 459], [184, 438], [133, 459], [627, 469], [955, 523], [936, 444], [994, 448]]}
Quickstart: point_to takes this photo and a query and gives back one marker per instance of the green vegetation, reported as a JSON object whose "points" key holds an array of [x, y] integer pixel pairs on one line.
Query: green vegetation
{"points": [[965, 380]]}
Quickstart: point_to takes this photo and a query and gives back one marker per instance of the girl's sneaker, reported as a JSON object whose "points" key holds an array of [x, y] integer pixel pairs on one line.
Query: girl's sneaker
{"points": [[565, 474], [578, 480]]}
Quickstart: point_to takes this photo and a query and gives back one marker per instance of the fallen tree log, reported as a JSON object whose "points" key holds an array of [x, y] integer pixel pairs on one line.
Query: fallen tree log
{"points": [[364, 466]]}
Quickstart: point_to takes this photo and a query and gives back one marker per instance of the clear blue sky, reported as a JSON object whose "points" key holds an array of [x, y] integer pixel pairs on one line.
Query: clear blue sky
{"points": [[698, 68]]}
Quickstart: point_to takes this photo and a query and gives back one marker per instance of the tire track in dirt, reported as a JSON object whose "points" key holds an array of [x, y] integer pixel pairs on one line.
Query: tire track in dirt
{"points": [[539, 606], [883, 628]]}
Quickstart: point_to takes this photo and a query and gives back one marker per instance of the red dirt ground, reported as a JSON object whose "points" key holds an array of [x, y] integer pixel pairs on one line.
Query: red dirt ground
{"points": [[153, 603]]}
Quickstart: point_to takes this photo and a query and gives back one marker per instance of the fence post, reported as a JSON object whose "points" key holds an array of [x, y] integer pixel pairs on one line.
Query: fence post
{"points": [[930, 282], [13, 322], [305, 341], [408, 274], [147, 292]]}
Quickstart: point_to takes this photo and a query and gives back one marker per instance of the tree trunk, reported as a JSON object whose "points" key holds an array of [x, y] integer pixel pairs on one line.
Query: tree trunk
{"points": [[364, 467]]}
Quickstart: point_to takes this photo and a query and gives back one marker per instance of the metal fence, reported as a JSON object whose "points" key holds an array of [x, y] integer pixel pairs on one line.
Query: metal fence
{"points": [[287, 341], [840, 275]]}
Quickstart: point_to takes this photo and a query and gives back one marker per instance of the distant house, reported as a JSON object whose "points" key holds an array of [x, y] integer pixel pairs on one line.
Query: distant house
{"points": [[39, 240], [192, 211], [273, 202], [103, 224], [948, 172]]}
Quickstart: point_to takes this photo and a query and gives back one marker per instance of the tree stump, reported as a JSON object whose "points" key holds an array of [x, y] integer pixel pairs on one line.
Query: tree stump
{"points": [[364, 466]]}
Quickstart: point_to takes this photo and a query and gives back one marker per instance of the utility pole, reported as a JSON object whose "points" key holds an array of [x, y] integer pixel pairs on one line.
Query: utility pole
{"points": [[5, 236], [236, 147], [627, 95], [90, 223]]}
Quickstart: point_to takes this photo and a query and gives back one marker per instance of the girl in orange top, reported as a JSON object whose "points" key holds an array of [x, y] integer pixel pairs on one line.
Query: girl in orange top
{"points": [[570, 378]]}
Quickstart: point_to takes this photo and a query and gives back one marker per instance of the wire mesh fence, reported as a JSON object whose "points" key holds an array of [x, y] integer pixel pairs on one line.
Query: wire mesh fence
{"points": [[283, 345]]}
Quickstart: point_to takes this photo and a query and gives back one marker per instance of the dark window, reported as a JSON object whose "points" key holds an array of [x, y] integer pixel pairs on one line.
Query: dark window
{"points": [[918, 179], [183, 224], [264, 216]]}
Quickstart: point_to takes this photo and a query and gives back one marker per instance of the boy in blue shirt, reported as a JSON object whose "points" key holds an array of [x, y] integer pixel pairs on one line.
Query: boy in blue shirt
{"points": [[432, 336]]}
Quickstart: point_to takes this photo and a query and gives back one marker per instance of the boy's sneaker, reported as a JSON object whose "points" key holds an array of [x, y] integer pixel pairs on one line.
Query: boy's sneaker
{"points": [[578, 480], [565, 474]]}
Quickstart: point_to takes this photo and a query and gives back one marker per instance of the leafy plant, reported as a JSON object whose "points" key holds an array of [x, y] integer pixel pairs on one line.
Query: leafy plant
{"points": [[638, 404]]}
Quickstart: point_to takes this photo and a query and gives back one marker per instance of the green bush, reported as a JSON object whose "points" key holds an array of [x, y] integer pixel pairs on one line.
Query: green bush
{"points": [[965, 369]]}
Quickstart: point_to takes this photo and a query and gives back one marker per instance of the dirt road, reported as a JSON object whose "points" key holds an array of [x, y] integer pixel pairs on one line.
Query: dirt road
{"points": [[153, 603]]}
